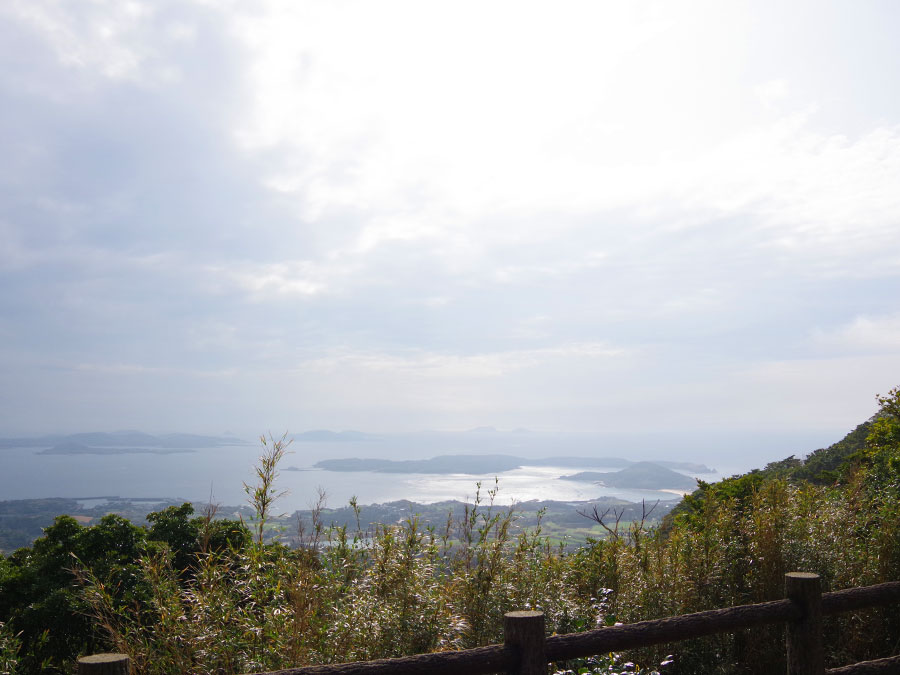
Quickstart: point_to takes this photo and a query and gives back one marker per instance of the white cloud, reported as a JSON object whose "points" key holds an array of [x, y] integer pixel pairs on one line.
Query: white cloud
{"points": [[834, 393], [101, 35], [771, 93], [384, 119], [280, 279], [262, 281], [466, 366], [445, 191], [701, 301], [865, 334]]}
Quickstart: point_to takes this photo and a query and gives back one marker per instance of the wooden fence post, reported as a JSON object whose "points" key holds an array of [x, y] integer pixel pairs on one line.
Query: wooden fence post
{"points": [[805, 655], [524, 631], [104, 664]]}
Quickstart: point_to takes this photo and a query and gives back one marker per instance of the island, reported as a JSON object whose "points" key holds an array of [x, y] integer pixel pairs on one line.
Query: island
{"points": [[120, 442], [73, 448], [639, 476], [656, 475]]}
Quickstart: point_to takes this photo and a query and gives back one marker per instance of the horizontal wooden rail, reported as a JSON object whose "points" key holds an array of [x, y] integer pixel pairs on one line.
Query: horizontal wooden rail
{"points": [[477, 661], [672, 629], [878, 667], [499, 658], [852, 599], [496, 658], [800, 612]]}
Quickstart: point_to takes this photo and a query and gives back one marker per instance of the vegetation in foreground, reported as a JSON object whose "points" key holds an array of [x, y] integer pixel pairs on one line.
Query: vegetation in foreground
{"points": [[199, 595]]}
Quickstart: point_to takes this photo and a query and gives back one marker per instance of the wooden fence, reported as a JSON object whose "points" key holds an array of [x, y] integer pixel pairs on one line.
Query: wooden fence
{"points": [[527, 651]]}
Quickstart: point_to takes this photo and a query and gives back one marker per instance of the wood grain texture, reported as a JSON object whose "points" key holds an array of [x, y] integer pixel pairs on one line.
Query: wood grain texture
{"points": [[104, 664], [852, 599], [658, 631], [478, 661], [804, 636], [877, 667], [524, 632]]}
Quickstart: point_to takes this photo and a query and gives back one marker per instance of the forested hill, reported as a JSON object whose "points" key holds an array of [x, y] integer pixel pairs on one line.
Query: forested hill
{"points": [[825, 466]]}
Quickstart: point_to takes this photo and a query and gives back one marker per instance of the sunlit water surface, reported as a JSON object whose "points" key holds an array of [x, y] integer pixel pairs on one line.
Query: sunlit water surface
{"points": [[220, 473]]}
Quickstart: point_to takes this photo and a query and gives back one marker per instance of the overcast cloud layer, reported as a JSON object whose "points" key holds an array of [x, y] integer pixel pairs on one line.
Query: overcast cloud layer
{"points": [[396, 216]]}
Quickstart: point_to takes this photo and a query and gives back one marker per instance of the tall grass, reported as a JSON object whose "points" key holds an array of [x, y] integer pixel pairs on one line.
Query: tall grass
{"points": [[9, 650]]}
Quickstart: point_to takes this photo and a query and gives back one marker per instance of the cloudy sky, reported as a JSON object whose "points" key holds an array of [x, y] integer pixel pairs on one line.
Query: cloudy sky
{"points": [[599, 216]]}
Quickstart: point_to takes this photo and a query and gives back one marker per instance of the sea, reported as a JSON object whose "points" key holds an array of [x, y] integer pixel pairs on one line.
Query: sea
{"points": [[219, 474]]}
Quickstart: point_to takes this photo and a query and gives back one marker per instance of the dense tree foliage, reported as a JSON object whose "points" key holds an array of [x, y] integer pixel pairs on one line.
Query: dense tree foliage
{"points": [[42, 600], [198, 595]]}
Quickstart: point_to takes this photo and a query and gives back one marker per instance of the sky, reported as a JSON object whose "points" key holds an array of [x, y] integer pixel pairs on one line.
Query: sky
{"points": [[393, 216]]}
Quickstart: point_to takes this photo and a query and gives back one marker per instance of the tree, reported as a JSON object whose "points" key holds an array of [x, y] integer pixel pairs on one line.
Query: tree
{"points": [[881, 456], [39, 594], [174, 526], [186, 537]]}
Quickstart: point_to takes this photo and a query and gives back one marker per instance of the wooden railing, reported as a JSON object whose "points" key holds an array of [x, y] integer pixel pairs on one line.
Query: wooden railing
{"points": [[527, 651]]}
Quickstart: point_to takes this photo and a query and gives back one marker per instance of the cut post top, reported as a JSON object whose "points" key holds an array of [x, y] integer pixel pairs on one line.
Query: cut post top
{"points": [[524, 614]]}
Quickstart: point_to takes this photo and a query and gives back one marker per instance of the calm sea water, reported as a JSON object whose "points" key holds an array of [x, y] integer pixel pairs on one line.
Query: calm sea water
{"points": [[219, 473]]}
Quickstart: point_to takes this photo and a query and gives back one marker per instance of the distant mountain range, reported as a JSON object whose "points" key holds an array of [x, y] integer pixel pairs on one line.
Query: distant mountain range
{"points": [[442, 464], [325, 436]]}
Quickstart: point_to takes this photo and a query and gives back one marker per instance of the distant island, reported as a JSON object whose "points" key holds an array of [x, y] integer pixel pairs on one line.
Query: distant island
{"points": [[119, 442], [639, 476], [635, 475], [72, 448]]}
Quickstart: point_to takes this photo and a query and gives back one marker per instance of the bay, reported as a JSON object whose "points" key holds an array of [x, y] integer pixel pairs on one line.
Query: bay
{"points": [[218, 475]]}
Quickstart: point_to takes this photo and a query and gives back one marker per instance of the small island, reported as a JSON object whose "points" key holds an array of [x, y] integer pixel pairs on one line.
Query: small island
{"points": [[120, 443], [73, 448], [639, 476]]}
